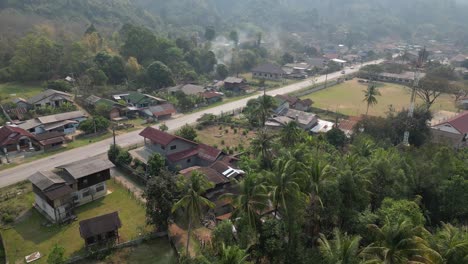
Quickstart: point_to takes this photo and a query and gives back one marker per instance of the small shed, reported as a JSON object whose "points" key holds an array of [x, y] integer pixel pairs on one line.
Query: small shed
{"points": [[101, 229]]}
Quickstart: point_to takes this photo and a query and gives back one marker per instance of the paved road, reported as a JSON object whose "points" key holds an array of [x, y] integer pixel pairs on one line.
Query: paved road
{"points": [[22, 172]]}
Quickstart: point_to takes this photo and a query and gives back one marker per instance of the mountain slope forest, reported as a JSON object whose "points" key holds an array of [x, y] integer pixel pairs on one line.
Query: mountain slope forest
{"points": [[367, 19]]}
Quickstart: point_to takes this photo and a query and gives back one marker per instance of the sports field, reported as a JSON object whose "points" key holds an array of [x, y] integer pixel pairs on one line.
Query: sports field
{"points": [[347, 98]]}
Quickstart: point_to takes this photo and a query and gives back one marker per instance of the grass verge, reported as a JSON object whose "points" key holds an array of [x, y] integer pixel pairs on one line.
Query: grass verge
{"points": [[30, 233]]}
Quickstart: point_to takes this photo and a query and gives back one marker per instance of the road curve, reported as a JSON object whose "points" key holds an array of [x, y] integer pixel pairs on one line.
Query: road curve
{"points": [[23, 171]]}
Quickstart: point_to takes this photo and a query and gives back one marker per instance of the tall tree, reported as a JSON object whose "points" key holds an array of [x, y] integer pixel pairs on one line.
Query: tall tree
{"points": [[159, 75], [251, 199], [234, 37], [451, 243], [262, 147], [290, 134], [370, 96], [192, 201], [210, 33], [160, 194], [343, 249], [430, 88], [232, 255], [400, 242]]}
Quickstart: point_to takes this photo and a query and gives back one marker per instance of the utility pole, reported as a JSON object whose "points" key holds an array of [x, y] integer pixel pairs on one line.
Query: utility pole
{"points": [[113, 133], [95, 130], [419, 65], [326, 72]]}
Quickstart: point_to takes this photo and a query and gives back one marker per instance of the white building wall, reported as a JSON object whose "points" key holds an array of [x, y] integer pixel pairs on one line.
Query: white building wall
{"points": [[49, 210], [82, 198]]}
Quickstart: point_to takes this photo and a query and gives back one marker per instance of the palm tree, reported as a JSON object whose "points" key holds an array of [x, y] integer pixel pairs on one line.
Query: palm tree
{"points": [[233, 255], [283, 184], [290, 134], [343, 249], [262, 146], [193, 202], [451, 243], [400, 243], [263, 108], [370, 96], [315, 175], [251, 201]]}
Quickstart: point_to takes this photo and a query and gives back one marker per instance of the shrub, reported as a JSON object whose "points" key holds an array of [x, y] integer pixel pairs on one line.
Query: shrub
{"points": [[222, 142], [215, 145], [231, 151], [226, 131], [220, 128], [244, 133], [7, 218]]}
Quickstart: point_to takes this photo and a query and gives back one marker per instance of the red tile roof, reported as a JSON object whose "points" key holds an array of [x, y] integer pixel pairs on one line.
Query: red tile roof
{"points": [[349, 123], [158, 136], [459, 122], [210, 174], [202, 151], [209, 95], [208, 153], [11, 135], [182, 155]]}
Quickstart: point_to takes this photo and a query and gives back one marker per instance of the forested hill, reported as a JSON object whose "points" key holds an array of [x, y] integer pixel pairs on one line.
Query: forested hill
{"points": [[371, 18], [71, 16]]}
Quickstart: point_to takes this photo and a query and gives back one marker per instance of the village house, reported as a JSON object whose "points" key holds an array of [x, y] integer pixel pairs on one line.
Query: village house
{"points": [[212, 97], [14, 139], [297, 70], [146, 105], [138, 100], [161, 111], [463, 103], [116, 110], [221, 174], [268, 71], [50, 140], [458, 60], [322, 126], [453, 131], [187, 89], [401, 78], [64, 122], [305, 120], [179, 152], [235, 84], [49, 97], [348, 125], [59, 191], [103, 229], [294, 102]]}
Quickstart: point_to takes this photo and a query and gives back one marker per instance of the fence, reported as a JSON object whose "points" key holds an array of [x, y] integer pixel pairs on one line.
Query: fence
{"points": [[117, 246]]}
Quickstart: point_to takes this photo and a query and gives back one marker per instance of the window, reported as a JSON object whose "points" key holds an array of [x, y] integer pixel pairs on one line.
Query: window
{"points": [[86, 193], [189, 160], [85, 181], [163, 147], [173, 147], [100, 188]]}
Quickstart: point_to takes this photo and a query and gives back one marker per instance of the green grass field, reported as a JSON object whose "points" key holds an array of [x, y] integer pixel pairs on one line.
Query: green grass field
{"points": [[347, 98], [30, 234], [12, 90]]}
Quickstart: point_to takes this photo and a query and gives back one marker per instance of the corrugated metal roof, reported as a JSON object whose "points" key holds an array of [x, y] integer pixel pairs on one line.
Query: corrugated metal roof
{"points": [[100, 225], [60, 117], [45, 179], [86, 167]]}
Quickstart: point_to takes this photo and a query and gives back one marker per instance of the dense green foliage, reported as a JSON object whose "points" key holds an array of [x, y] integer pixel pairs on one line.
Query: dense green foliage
{"points": [[365, 202], [94, 125]]}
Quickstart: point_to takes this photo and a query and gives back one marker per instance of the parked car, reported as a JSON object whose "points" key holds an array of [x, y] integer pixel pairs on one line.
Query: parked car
{"points": [[343, 72]]}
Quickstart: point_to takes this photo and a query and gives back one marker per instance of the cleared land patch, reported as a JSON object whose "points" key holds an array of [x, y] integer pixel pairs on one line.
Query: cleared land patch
{"points": [[347, 98]]}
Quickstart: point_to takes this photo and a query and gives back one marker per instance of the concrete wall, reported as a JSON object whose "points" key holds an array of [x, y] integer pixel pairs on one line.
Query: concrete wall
{"points": [[93, 194], [49, 210]]}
